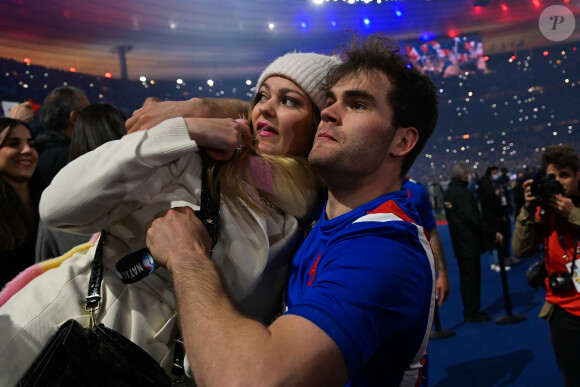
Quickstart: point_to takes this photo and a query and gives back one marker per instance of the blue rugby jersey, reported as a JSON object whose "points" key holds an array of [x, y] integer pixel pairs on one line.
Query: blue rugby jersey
{"points": [[419, 198], [367, 279]]}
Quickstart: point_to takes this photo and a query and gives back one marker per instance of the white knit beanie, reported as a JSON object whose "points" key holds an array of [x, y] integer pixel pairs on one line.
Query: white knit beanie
{"points": [[307, 70]]}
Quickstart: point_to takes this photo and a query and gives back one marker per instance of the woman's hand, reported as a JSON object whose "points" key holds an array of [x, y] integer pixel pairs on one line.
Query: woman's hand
{"points": [[220, 136]]}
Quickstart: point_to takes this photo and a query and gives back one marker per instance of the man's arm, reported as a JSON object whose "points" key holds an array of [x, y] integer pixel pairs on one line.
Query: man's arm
{"points": [[153, 114], [442, 287], [223, 346], [527, 233]]}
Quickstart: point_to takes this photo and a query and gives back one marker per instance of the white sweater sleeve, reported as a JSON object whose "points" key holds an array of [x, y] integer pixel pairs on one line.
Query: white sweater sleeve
{"points": [[110, 182]]}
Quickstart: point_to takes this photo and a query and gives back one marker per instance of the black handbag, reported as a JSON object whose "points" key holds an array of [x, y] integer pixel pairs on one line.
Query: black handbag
{"points": [[94, 356], [536, 274]]}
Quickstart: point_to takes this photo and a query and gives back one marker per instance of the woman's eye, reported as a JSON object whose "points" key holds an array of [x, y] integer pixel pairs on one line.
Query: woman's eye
{"points": [[12, 144], [262, 97], [289, 102]]}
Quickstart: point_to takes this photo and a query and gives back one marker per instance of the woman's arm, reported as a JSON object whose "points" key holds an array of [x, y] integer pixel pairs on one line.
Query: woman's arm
{"points": [[112, 181]]}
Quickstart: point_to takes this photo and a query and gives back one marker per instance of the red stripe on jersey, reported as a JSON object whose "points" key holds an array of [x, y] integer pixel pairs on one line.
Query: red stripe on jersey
{"points": [[391, 207], [312, 272]]}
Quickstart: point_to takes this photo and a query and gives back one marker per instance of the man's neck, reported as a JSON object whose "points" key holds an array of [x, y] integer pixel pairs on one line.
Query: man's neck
{"points": [[348, 196]]}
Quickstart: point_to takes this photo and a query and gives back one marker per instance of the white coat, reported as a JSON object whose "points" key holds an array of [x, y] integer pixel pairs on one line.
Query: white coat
{"points": [[120, 186]]}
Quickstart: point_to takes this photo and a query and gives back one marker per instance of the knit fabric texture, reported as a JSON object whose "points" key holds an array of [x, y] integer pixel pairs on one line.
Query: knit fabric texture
{"points": [[307, 70]]}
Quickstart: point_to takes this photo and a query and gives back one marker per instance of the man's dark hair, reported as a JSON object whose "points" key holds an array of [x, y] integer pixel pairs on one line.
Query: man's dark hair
{"points": [[413, 96], [561, 156], [56, 108]]}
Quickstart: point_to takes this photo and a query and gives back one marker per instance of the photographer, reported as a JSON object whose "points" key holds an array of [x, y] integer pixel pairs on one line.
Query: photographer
{"points": [[551, 218]]}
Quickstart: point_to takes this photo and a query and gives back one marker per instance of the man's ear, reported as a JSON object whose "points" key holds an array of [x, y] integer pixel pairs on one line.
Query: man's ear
{"points": [[73, 117], [404, 140]]}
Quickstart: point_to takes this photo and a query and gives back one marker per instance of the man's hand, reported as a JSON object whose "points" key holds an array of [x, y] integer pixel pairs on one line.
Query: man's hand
{"points": [[177, 235], [22, 112], [528, 197], [442, 288], [561, 204], [153, 114]]}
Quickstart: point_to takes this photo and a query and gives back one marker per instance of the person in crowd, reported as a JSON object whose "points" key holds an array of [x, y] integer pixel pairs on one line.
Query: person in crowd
{"points": [[58, 115], [470, 237], [518, 196], [473, 185], [419, 197], [507, 208], [485, 185], [436, 196], [360, 293], [19, 196], [551, 218], [96, 124], [267, 189], [494, 215]]}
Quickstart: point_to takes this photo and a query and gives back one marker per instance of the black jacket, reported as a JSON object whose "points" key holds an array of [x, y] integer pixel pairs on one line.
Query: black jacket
{"points": [[470, 235], [53, 149]]}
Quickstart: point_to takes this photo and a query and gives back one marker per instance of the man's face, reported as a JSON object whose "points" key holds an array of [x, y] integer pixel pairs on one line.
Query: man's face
{"points": [[566, 177], [355, 132]]}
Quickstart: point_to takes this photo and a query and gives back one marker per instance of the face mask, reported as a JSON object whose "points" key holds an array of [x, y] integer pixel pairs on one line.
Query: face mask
{"points": [[495, 177]]}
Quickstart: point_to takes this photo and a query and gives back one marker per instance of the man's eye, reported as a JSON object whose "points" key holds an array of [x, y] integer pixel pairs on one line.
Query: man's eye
{"points": [[358, 106]]}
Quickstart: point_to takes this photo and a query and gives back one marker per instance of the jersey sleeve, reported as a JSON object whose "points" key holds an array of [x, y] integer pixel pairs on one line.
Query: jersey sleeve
{"points": [[424, 209]]}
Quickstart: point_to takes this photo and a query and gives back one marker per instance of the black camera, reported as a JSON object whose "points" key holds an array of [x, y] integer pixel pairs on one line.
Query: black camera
{"points": [[546, 185], [560, 282]]}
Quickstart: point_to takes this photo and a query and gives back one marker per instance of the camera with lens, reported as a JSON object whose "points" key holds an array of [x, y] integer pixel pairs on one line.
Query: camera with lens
{"points": [[560, 282], [544, 186]]}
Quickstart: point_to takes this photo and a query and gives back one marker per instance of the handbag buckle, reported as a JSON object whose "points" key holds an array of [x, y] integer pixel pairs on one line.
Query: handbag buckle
{"points": [[92, 306]]}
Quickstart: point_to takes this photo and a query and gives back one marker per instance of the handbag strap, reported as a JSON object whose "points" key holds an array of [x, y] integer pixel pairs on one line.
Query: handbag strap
{"points": [[209, 208], [93, 299]]}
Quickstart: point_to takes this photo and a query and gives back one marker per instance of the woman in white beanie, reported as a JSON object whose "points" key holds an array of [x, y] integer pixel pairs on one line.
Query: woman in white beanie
{"points": [[267, 189]]}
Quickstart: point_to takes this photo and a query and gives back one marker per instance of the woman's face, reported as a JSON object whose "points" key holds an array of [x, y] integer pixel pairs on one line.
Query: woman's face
{"points": [[283, 118], [18, 156]]}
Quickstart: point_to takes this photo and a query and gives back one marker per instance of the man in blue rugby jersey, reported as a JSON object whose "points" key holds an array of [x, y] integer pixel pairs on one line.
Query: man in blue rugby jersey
{"points": [[360, 293]]}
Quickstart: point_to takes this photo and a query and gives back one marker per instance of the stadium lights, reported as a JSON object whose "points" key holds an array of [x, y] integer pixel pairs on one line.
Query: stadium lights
{"points": [[355, 1]]}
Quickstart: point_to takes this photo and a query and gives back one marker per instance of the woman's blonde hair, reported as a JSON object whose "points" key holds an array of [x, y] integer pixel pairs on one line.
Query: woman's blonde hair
{"points": [[297, 185]]}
